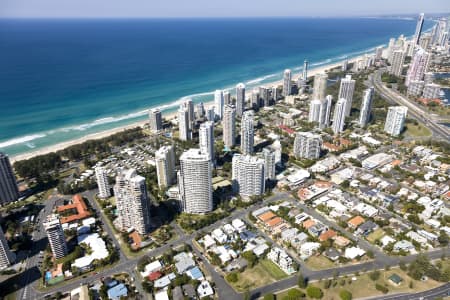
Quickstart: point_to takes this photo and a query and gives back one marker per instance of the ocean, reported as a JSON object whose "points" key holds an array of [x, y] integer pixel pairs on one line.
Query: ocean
{"points": [[63, 79]]}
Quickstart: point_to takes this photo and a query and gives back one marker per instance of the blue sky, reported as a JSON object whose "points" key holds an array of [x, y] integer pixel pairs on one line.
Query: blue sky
{"points": [[213, 8]]}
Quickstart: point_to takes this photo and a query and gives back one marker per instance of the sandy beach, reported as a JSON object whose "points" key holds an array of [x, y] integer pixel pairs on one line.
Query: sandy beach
{"points": [[166, 115]]}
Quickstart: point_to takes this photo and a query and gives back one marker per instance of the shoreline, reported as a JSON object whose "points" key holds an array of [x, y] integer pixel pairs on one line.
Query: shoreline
{"points": [[169, 115]]}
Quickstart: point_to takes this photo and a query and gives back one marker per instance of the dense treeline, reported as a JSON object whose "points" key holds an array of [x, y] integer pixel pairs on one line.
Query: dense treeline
{"points": [[42, 164]]}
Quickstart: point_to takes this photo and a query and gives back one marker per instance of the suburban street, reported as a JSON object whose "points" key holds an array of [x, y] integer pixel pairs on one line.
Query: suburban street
{"points": [[128, 265]]}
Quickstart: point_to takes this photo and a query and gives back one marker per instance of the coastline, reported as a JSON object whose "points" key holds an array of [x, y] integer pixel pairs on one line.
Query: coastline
{"points": [[167, 115]]}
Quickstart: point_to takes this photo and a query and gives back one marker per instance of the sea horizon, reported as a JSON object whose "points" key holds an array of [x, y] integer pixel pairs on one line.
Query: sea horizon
{"points": [[96, 78]]}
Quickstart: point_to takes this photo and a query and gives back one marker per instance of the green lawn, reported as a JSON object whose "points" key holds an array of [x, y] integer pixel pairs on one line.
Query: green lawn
{"points": [[319, 263], [376, 235], [263, 273], [273, 269], [416, 130]]}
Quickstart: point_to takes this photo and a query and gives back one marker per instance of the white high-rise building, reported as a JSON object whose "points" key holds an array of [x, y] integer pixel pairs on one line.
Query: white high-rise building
{"points": [[240, 99], [183, 124], [248, 175], [314, 110], [305, 70], [326, 113], [278, 150], [206, 139], [254, 99], [8, 185], [229, 126], [210, 114], [218, 102], [268, 155], [339, 116], [431, 91], [264, 95], [247, 133], [395, 120], [287, 80], [55, 236], [320, 86], [200, 110], [307, 145], [165, 166], [155, 117], [195, 182], [398, 59], [346, 91], [418, 30], [418, 67], [366, 107], [102, 182], [275, 94], [133, 205], [226, 98], [6, 256], [189, 106], [415, 88], [379, 53]]}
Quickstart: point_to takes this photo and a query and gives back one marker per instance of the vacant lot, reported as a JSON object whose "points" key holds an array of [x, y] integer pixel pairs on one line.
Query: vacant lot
{"points": [[319, 263]]}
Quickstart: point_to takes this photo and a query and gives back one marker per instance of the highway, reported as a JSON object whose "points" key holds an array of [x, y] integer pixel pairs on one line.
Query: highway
{"points": [[439, 131]]}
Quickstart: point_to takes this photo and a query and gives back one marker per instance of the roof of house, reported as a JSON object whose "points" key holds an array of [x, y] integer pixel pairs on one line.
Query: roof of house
{"points": [[327, 235], [273, 222], [154, 275], [266, 216], [309, 223], [117, 292], [356, 221]]}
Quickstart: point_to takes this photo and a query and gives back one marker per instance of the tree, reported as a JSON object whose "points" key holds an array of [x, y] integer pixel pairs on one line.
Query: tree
{"points": [[443, 238], [314, 292], [302, 283], [345, 295], [251, 258], [294, 294], [375, 275], [232, 277]]}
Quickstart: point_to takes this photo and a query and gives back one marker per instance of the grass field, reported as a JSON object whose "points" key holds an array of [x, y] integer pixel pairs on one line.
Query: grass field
{"points": [[417, 130], [263, 273], [377, 234], [319, 263]]}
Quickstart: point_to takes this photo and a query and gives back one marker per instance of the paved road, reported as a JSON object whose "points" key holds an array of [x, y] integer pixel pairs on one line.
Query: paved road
{"points": [[441, 291], [413, 110], [224, 291]]}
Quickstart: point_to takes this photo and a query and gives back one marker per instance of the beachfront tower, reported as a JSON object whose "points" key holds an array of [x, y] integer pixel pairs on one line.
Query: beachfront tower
{"points": [[287, 80], [395, 120], [307, 145], [240, 99], [55, 236], [366, 107], [165, 166], [8, 185], [101, 176], [218, 104], [248, 175], [6, 256], [206, 139], [229, 126], [155, 117], [264, 95], [418, 30], [247, 133], [305, 71], [195, 182], [326, 112], [339, 116], [268, 155], [320, 86], [185, 132], [226, 98], [346, 91]]}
